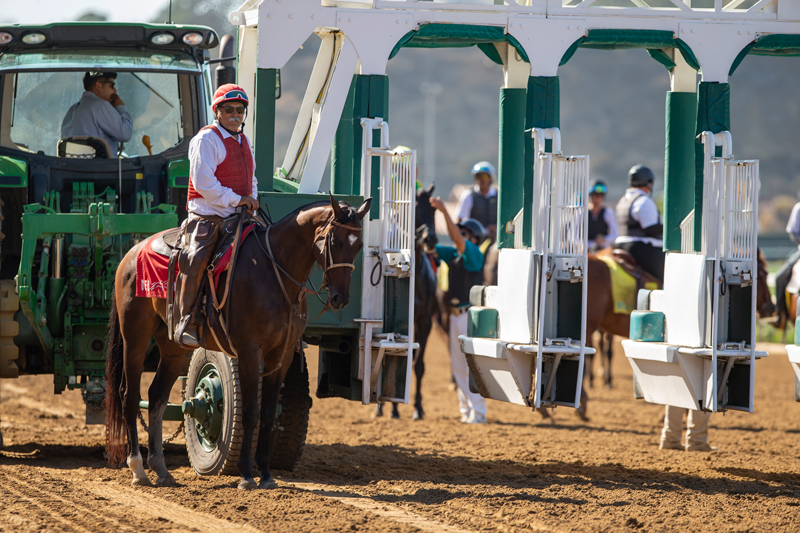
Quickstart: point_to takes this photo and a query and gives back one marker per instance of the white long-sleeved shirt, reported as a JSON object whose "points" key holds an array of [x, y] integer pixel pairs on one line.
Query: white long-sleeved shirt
{"points": [[793, 227], [464, 207], [644, 211], [95, 117], [206, 153]]}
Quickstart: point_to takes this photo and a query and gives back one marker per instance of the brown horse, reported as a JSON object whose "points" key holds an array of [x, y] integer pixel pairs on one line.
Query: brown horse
{"points": [[600, 309], [268, 313]]}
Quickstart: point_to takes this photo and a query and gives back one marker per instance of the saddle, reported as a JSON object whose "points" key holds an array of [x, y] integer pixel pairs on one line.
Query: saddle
{"points": [[170, 244], [629, 265]]}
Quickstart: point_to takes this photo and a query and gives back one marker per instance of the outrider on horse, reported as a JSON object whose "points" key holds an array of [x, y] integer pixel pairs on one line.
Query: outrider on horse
{"points": [[268, 312]]}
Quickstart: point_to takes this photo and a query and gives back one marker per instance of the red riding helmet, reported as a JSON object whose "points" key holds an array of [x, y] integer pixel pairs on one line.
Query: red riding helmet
{"points": [[229, 93]]}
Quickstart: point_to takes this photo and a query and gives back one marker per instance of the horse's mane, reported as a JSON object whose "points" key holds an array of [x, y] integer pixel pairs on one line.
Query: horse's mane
{"points": [[349, 211]]}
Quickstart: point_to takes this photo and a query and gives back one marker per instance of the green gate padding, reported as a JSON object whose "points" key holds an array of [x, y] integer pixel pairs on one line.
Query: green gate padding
{"points": [[654, 41], [368, 98], [543, 110], [769, 45], [459, 36], [713, 114], [511, 157], [264, 126], [679, 168]]}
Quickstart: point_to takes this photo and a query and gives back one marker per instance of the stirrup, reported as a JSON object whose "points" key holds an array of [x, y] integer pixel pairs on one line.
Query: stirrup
{"points": [[190, 338]]}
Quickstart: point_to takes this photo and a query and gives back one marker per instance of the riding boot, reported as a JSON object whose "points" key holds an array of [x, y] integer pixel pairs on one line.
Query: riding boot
{"points": [[202, 237]]}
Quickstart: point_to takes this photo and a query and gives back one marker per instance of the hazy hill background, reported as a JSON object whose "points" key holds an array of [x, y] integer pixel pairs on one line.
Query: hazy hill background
{"points": [[612, 107]]}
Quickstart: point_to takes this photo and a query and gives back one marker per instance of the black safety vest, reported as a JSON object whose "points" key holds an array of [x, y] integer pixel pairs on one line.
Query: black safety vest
{"points": [[460, 282], [598, 226], [628, 226], [484, 210]]}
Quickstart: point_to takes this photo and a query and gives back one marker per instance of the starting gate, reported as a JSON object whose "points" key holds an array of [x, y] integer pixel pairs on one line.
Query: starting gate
{"points": [[525, 343], [697, 344], [386, 356]]}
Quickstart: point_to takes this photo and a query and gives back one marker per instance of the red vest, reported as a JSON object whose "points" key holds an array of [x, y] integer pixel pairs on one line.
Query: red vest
{"points": [[235, 171]]}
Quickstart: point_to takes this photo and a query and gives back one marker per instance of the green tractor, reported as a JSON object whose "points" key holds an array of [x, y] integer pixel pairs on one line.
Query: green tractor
{"points": [[71, 210]]}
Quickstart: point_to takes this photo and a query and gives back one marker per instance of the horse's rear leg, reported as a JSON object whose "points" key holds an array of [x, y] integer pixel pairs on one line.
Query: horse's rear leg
{"points": [[135, 351], [169, 368]]}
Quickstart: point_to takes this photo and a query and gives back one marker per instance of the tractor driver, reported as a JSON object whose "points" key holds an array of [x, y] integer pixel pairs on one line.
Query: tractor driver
{"points": [[465, 263], [100, 112], [640, 228], [221, 178]]}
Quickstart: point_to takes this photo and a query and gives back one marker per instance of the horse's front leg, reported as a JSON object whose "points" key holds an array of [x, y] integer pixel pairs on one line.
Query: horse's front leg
{"points": [[249, 372], [169, 368], [270, 391]]}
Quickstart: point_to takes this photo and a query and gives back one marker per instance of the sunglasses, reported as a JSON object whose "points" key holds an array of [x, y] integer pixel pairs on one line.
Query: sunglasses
{"points": [[113, 85], [229, 109]]}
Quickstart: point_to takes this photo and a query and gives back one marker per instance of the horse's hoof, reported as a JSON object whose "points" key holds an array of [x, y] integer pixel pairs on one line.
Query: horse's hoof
{"points": [[581, 412], [247, 484], [268, 484], [168, 481], [395, 415], [419, 414], [378, 412], [144, 482]]}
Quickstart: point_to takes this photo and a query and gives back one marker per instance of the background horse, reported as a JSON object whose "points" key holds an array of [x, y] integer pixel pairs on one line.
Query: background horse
{"points": [[600, 313], [425, 305], [265, 329]]}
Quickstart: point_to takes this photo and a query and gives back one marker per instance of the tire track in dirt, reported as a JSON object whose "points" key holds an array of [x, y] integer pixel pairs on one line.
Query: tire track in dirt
{"points": [[149, 506], [384, 510], [52, 504]]}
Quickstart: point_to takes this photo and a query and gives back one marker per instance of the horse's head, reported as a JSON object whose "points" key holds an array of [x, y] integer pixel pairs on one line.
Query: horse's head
{"points": [[764, 304], [338, 244], [426, 220]]}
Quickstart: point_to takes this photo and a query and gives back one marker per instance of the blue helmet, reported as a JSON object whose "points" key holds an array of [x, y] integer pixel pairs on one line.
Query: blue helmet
{"points": [[598, 187]]}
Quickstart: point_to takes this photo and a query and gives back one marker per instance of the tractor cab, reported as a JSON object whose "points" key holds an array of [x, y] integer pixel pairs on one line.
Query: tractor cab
{"points": [[73, 204]]}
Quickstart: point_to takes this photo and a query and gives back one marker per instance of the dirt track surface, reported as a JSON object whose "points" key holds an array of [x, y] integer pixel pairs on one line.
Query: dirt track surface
{"points": [[518, 473]]}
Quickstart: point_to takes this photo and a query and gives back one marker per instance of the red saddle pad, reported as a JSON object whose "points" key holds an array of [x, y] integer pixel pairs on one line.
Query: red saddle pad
{"points": [[151, 268]]}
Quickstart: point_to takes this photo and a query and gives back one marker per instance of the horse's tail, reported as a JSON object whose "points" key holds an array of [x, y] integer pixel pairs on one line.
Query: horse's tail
{"points": [[115, 419]]}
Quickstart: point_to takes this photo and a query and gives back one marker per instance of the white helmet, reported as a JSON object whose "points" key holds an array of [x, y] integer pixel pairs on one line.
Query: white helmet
{"points": [[484, 167]]}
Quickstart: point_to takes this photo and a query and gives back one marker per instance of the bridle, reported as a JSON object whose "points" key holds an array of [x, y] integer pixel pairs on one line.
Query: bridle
{"points": [[326, 235]]}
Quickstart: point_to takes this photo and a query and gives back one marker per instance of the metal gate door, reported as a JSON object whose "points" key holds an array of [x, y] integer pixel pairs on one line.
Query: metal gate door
{"points": [[385, 352]]}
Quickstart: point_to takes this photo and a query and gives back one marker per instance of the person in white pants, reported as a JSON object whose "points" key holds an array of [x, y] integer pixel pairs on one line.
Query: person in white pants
{"points": [[465, 263], [696, 432], [471, 405]]}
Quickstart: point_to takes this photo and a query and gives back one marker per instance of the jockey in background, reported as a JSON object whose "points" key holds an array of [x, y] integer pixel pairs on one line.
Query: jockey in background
{"points": [[784, 275], [602, 219], [640, 228]]}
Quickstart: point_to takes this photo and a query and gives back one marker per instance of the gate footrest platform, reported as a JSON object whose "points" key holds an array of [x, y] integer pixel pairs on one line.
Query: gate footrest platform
{"points": [[505, 371], [684, 377]]}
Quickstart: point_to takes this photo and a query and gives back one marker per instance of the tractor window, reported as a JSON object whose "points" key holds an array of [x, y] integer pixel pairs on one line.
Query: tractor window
{"points": [[42, 99]]}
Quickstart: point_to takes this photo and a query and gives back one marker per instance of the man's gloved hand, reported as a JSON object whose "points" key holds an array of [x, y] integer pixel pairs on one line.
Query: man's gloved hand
{"points": [[250, 202]]}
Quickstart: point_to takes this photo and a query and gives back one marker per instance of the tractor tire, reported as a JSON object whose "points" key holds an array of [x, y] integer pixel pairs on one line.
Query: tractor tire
{"points": [[288, 436], [216, 454]]}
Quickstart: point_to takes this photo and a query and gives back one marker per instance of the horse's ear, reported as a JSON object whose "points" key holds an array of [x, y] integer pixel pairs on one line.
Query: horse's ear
{"points": [[430, 188], [337, 211], [364, 209]]}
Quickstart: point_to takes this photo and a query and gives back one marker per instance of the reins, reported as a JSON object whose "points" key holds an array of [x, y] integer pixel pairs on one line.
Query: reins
{"points": [[295, 308]]}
